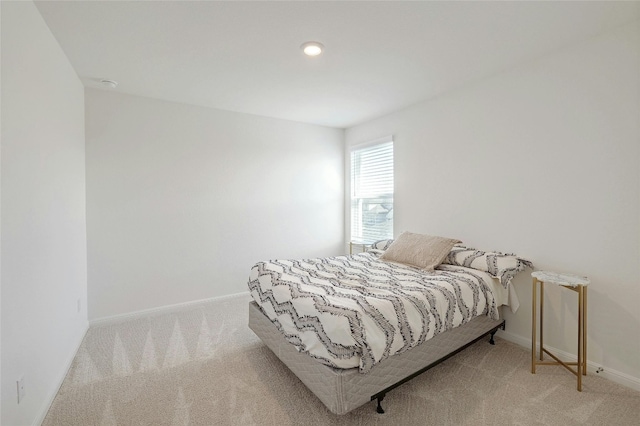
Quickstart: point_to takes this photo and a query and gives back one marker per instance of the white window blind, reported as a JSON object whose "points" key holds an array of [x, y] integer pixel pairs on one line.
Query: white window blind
{"points": [[372, 192]]}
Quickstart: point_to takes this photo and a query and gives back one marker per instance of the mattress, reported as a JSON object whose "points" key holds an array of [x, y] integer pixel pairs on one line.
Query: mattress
{"points": [[356, 311], [342, 390]]}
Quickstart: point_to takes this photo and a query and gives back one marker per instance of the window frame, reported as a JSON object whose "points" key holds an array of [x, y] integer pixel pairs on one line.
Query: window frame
{"points": [[350, 195]]}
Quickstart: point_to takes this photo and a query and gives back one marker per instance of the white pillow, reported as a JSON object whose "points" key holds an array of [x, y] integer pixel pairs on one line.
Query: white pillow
{"points": [[503, 266]]}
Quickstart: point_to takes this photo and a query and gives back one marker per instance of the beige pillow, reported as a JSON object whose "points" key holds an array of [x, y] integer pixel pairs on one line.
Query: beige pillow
{"points": [[423, 251]]}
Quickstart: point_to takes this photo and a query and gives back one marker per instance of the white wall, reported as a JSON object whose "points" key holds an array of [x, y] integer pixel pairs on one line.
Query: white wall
{"points": [[43, 248], [542, 160], [183, 200], [0, 218]]}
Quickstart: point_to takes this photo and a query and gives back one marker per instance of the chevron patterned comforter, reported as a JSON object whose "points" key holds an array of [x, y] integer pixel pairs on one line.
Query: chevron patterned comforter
{"points": [[355, 311]]}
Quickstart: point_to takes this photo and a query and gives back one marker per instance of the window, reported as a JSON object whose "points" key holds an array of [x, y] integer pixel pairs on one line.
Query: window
{"points": [[372, 191]]}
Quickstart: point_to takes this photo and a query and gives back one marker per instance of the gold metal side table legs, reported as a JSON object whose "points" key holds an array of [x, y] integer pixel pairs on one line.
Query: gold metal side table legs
{"points": [[581, 364]]}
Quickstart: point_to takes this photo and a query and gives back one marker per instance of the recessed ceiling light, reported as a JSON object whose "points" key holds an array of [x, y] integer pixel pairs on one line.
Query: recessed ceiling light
{"points": [[312, 48], [109, 83]]}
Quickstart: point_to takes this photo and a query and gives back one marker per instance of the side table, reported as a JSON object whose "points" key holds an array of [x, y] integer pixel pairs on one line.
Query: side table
{"points": [[353, 244], [571, 282]]}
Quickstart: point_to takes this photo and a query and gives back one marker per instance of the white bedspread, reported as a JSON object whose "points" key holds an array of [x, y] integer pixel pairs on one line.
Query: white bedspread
{"points": [[354, 311]]}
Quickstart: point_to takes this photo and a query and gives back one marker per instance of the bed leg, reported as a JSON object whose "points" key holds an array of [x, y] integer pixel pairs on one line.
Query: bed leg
{"points": [[379, 408], [491, 341], [494, 331]]}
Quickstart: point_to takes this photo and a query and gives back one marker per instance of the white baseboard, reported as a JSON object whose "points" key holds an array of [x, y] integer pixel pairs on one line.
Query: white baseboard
{"points": [[45, 407], [159, 310], [592, 367]]}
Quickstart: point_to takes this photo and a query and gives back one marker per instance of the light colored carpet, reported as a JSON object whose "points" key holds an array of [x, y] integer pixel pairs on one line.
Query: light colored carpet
{"points": [[203, 366]]}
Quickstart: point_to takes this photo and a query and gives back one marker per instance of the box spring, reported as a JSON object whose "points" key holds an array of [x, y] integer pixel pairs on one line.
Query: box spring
{"points": [[343, 390]]}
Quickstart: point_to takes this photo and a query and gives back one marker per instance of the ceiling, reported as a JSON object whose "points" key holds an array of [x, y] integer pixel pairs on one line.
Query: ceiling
{"points": [[380, 56]]}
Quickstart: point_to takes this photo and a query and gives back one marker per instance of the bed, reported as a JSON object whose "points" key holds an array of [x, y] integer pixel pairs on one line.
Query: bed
{"points": [[352, 328]]}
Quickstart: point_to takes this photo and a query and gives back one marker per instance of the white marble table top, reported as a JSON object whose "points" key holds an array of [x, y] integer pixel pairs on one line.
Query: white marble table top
{"points": [[560, 279]]}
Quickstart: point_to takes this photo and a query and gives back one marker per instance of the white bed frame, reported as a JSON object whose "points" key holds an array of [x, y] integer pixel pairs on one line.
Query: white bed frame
{"points": [[343, 390]]}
